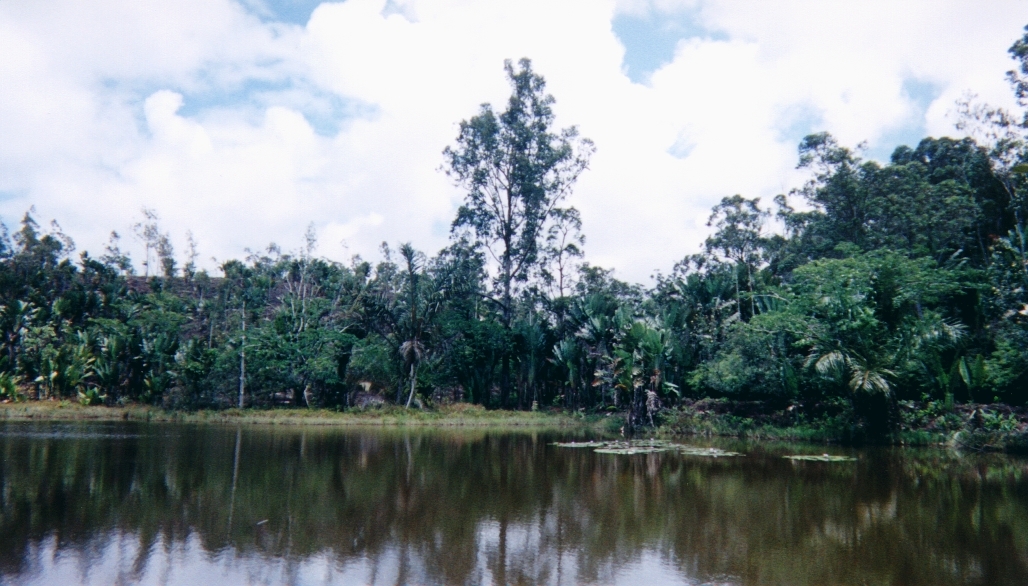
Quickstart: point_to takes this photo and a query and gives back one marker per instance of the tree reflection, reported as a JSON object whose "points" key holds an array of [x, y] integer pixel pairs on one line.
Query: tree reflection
{"points": [[464, 507]]}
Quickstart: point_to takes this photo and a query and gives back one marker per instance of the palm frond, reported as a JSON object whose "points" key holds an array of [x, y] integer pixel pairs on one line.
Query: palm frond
{"points": [[870, 381], [412, 351], [831, 363]]}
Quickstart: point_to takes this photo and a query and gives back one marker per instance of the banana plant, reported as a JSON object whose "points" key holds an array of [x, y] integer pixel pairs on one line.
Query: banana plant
{"points": [[108, 367], [566, 355], [66, 369], [15, 319], [9, 384]]}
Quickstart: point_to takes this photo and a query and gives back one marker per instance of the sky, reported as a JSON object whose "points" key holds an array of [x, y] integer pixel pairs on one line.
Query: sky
{"points": [[246, 121]]}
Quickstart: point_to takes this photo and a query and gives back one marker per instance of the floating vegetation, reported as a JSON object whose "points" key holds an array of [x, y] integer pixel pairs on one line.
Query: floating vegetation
{"points": [[632, 447], [579, 444], [708, 452], [821, 458], [631, 450]]}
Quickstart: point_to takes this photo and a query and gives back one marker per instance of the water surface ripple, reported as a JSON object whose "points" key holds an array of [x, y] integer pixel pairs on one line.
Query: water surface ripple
{"points": [[173, 504]]}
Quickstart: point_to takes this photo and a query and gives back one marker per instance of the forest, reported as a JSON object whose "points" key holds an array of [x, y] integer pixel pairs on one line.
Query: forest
{"points": [[869, 285]]}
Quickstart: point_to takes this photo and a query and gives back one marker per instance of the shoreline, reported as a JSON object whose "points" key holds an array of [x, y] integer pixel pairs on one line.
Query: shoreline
{"points": [[698, 419], [462, 416], [969, 426]]}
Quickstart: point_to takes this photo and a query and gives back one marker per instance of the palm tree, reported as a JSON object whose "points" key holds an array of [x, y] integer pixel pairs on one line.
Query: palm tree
{"points": [[869, 369], [412, 352], [864, 375], [419, 313]]}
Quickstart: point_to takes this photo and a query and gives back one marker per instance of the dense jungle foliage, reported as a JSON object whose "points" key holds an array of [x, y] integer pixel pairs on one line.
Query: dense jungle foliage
{"points": [[869, 284]]}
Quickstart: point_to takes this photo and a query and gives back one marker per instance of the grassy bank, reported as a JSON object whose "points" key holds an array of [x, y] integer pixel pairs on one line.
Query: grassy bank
{"points": [[447, 416], [965, 426]]}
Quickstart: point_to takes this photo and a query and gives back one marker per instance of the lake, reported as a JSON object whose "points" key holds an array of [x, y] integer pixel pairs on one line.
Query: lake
{"points": [[173, 504]]}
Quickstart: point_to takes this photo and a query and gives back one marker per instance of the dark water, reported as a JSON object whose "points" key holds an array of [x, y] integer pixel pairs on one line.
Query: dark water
{"points": [[175, 504]]}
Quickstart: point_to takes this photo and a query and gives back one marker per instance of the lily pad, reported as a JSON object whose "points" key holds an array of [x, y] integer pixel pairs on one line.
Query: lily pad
{"points": [[708, 452], [651, 446], [629, 451], [821, 458]]}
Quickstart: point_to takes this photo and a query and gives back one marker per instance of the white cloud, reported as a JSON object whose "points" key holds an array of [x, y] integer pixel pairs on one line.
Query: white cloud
{"points": [[110, 106]]}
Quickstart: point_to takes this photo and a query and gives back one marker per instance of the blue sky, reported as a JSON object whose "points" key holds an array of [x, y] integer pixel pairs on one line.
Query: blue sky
{"points": [[650, 38], [245, 121], [291, 11]]}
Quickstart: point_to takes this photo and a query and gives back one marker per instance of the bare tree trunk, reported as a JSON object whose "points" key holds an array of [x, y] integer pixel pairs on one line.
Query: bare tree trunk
{"points": [[749, 282], [507, 319], [738, 296], [413, 381], [242, 363], [505, 381]]}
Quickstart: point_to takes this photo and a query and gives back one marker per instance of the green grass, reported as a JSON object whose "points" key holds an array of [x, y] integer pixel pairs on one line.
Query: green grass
{"points": [[679, 422], [449, 416]]}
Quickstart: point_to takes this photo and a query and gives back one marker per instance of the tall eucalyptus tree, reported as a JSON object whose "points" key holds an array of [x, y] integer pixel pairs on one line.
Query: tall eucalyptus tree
{"points": [[517, 170]]}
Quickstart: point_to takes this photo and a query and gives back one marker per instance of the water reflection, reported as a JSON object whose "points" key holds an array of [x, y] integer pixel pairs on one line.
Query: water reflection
{"points": [[175, 504]]}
